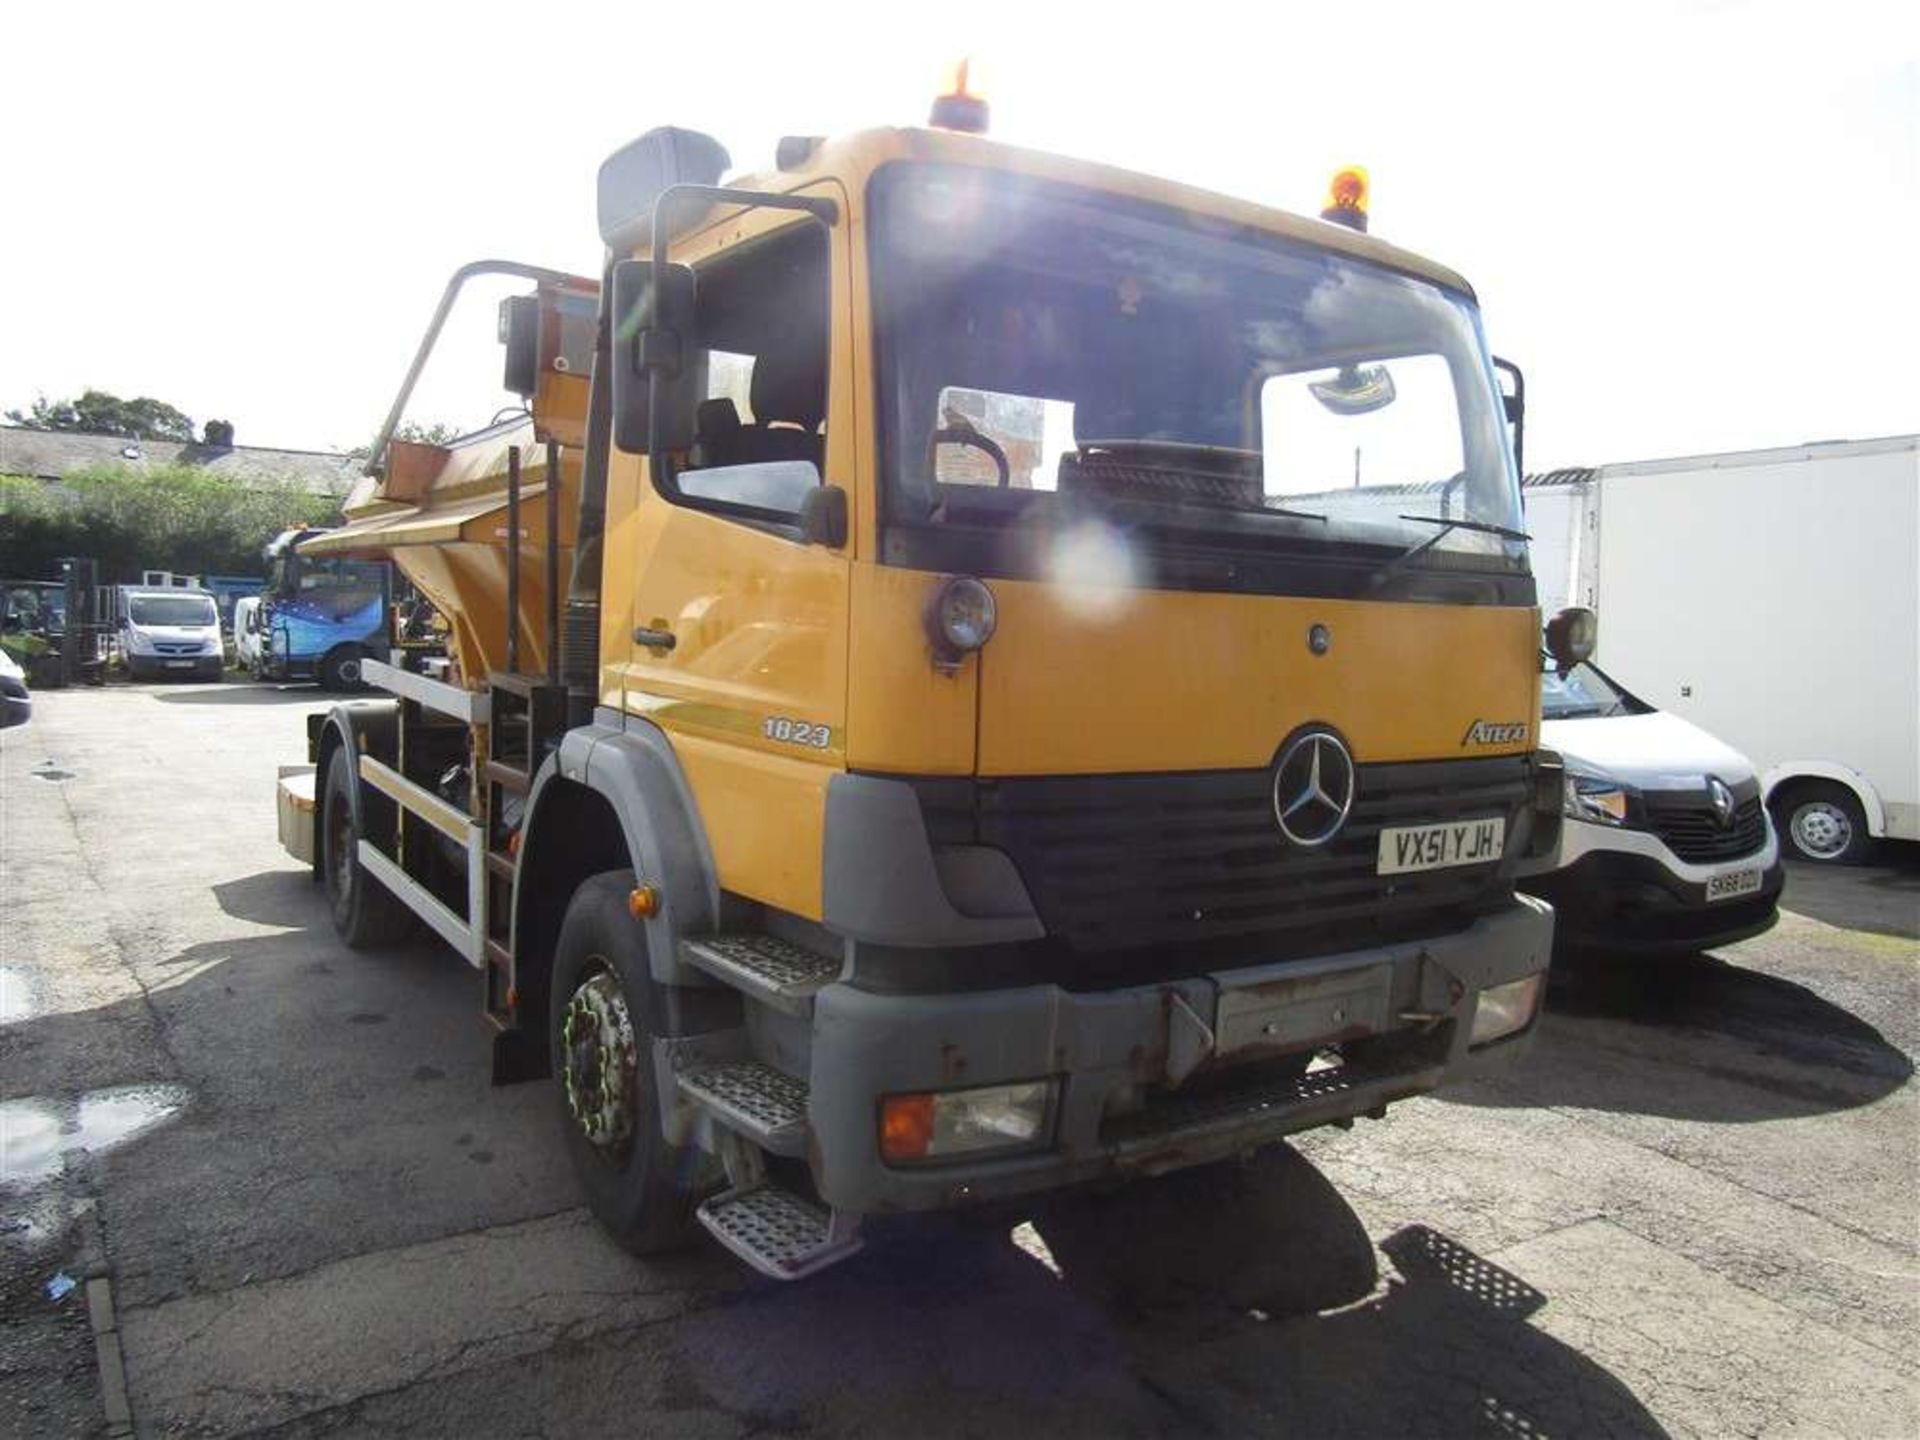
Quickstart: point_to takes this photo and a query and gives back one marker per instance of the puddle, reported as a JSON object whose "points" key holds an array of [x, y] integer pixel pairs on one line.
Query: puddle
{"points": [[16, 996], [29, 1142], [36, 1132]]}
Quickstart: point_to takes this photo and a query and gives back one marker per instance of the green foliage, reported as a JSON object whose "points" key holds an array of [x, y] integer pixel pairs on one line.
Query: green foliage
{"points": [[98, 413], [437, 432], [173, 517]]}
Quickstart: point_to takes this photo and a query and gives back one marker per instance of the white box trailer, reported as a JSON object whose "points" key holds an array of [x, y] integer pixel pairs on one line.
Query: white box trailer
{"points": [[1771, 597]]}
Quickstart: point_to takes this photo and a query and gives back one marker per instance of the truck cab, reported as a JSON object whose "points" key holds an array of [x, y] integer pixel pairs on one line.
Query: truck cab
{"points": [[1043, 685], [319, 618]]}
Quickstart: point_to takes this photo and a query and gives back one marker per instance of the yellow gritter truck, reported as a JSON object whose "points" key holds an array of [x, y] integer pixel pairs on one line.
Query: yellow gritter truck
{"points": [[973, 672]]}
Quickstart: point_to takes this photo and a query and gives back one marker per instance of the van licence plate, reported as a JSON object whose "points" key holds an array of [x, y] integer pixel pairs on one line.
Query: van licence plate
{"points": [[179, 664], [1733, 883], [1439, 847]]}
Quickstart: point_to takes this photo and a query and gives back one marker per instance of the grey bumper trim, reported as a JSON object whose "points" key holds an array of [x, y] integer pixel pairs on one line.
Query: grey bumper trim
{"points": [[1112, 1049]]}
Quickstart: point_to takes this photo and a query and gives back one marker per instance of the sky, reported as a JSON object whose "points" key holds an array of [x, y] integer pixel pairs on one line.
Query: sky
{"points": [[1696, 225]]}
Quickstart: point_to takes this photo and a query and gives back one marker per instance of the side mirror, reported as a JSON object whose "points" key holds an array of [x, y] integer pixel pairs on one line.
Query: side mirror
{"points": [[655, 357], [823, 517], [520, 334], [1514, 403]]}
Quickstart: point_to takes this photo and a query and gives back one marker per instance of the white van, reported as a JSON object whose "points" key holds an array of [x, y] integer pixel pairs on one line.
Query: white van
{"points": [[246, 633], [170, 633], [1665, 845]]}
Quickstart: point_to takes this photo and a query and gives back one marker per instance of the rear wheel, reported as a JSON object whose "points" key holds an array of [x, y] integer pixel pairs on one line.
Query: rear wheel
{"points": [[365, 912], [605, 1011], [340, 669], [1823, 822]]}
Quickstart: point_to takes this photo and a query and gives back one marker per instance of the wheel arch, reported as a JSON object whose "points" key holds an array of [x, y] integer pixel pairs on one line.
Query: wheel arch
{"points": [[610, 799], [362, 727], [1784, 776]]}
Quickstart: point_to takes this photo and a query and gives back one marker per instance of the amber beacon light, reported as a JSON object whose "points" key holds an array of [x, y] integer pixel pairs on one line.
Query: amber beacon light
{"points": [[958, 108], [1347, 198]]}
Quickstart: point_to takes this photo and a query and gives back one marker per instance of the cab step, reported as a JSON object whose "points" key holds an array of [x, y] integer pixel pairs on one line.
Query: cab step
{"points": [[760, 1102], [772, 971], [778, 1233]]}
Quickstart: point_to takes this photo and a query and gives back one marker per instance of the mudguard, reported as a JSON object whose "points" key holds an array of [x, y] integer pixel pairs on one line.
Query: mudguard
{"points": [[364, 727], [633, 768]]}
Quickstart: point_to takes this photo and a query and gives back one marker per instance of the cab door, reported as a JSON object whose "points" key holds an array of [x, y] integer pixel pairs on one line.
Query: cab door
{"points": [[736, 641]]}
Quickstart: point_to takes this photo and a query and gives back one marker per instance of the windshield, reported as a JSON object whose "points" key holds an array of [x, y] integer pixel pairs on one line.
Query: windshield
{"points": [[339, 574], [1582, 694], [1037, 341], [171, 610], [31, 607]]}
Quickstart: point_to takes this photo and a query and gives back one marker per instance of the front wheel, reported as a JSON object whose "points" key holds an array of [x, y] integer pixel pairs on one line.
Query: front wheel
{"points": [[365, 912], [604, 1014], [340, 669], [1822, 822]]}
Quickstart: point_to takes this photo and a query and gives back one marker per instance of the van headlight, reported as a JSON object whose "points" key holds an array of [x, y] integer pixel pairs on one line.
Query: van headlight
{"points": [[1595, 796]]}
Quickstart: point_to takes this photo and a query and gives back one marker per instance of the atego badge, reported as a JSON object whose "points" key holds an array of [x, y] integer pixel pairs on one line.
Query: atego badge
{"points": [[1494, 732]]}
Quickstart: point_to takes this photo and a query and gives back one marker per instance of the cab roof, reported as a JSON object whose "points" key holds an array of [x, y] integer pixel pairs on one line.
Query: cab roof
{"points": [[854, 159]]}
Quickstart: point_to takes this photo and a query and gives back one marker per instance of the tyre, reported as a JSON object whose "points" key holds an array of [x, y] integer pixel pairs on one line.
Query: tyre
{"points": [[340, 669], [1822, 822], [365, 912], [602, 1018]]}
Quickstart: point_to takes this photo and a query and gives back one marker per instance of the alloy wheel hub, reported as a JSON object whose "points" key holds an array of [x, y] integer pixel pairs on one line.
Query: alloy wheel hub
{"points": [[602, 1062]]}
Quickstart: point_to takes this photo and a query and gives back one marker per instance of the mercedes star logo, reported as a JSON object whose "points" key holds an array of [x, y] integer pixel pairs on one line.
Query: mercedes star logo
{"points": [[1313, 789], [1722, 799]]}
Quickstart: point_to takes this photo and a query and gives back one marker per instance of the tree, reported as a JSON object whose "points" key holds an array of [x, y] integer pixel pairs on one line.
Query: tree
{"points": [[98, 413], [167, 517], [436, 432]]}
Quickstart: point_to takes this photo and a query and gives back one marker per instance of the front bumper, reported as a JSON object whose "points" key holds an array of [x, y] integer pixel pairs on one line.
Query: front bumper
{"points": [[1158, 1077], [16, 706], [1623, 889], [175, 667]]}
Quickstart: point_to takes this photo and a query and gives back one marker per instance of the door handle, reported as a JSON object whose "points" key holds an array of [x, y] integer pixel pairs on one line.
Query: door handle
{"points": [[654, 639]]}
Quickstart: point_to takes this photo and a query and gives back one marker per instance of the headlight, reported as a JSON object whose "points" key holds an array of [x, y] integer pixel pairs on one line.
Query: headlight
{"points": [[1572, 635], [1505, 1009], [960, 619], [1595, 797], [994, 1118], [137, 643]]}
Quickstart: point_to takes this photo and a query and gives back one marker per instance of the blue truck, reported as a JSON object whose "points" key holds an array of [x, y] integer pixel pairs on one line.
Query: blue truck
{"points": [[320, 617]]}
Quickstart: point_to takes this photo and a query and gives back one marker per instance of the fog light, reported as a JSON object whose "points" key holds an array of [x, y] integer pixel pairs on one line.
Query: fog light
{"points": [[966, 1122], [1503, 1009]]}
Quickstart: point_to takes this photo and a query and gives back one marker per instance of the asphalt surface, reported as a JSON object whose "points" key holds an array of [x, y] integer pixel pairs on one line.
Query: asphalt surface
{"points": [[1689, 1211]]}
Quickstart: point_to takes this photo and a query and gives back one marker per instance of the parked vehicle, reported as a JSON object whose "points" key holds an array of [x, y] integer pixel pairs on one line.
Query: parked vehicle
{"points": [[915, 729], [170, 634], [56, 630], [16, 705], [247, 648], [1665, 844], [1771, 597], [321, 617]]}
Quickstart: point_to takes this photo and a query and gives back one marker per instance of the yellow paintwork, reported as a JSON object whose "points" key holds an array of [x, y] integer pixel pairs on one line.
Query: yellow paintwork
{"points": [[769, 629], [1168, 681], [904, 715], [453, 547]]}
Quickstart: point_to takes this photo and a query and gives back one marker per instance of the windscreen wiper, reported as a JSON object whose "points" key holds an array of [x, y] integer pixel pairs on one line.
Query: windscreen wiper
{"points": [[1446, 523]]}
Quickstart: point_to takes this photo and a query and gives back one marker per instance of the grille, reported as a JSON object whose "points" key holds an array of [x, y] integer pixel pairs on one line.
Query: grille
{"points": [[1693, 833], [1124, 862]]}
